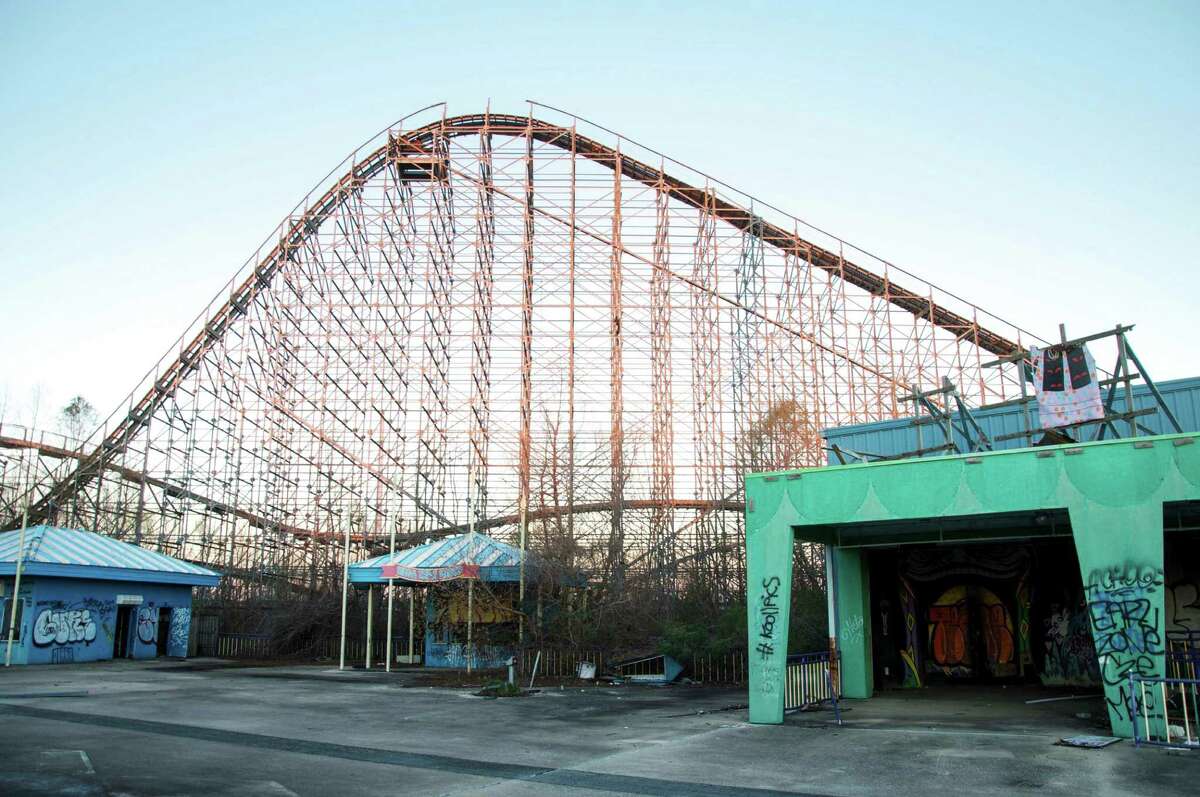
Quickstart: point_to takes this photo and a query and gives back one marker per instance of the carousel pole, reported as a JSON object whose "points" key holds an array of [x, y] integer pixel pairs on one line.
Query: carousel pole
{"points": [[470, 581], [370, 624], [345, 596], [387, 666], [412, 600]]}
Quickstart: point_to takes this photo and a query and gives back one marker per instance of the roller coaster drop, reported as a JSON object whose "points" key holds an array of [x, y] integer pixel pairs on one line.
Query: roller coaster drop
{"points": [[499, 318]]}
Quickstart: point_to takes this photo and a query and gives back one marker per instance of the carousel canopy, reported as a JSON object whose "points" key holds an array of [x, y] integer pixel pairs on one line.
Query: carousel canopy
{"points": [[461, 556]]}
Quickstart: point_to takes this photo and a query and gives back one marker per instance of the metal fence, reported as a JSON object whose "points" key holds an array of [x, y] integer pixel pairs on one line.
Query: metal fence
{"points": [[557, 663], [810, 681], [1165, 711], [261, 647], [243, 646], [204, 636], [356, 650], [1183, 655], [729, 669]]}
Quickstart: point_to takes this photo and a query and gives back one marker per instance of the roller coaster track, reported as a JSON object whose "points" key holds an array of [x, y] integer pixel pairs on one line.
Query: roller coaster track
{"points": [[414, 150], [258, 521]]}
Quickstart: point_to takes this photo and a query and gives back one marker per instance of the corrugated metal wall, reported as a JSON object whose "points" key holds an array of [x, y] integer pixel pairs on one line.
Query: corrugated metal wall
{"points": [[889, 438]]}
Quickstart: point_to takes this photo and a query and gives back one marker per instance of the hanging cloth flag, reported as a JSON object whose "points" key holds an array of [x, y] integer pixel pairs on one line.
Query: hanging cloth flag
{"points": [[1065, 384]]}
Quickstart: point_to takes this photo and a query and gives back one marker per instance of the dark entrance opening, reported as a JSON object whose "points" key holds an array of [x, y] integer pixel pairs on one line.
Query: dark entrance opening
{"points": [[1008, 612], [164, 630], [121, 635]]}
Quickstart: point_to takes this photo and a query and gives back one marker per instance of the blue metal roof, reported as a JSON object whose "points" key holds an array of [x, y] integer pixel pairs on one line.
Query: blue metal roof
{"points": [[73, 553], [899, 436], [443, 560]]}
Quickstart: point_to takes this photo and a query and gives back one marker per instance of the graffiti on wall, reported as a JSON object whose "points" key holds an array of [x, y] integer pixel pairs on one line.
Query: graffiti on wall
{"points": [[768, 616], [147, 625], [64, 627], [1183, 606], [938, 633], [60, 623], [1024, 603], [1126, 626], [454, 654], [959, 615], [949, 620], [1070, 655], [852, 630], [181, 622], [911, 654]]}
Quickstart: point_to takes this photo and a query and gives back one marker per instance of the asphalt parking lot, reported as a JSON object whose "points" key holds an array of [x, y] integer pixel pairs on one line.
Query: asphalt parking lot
{"points": [[214, 728]]}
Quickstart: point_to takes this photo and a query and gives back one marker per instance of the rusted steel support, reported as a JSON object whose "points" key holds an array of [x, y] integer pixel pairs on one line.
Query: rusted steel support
{"points": [[616, 440], [525, 434], [482, 302], [662, 488]]}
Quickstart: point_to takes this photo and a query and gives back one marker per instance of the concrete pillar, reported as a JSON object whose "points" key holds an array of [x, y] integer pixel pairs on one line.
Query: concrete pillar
{"points": [[769, 551], [1120, 551], [852, 595]]}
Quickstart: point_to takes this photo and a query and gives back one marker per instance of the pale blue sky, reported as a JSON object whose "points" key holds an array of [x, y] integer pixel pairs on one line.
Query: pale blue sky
{"points": [[1038, 159]]}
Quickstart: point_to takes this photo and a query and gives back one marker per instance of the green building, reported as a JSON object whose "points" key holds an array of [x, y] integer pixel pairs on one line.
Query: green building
{"points": [[1064, 565]]}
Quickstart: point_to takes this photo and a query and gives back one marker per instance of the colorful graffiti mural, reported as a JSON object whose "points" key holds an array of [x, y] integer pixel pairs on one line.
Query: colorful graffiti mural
{"points": [[1126, 623], [911, 653], [1024, 606], [957, 618], [979, 626], [949, 624]]}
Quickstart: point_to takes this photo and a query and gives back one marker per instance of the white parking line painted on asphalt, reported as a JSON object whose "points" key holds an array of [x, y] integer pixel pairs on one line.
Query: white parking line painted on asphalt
{"points": [[66, 762]]}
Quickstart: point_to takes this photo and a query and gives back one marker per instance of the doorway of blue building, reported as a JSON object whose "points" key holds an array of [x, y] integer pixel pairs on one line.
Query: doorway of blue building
{"points": [[164, 631], [121, 634]]}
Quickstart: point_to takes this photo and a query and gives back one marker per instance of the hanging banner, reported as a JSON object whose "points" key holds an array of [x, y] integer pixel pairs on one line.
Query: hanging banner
{"points": [[429, 575], [1066, 385]]}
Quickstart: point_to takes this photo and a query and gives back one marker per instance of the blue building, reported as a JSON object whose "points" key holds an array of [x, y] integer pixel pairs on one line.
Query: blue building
{"points": [[87, 597], [1004, 423]]}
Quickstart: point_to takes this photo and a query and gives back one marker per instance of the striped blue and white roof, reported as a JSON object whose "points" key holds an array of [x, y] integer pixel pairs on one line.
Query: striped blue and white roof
{"points": [[497, 561], [72, 553]]}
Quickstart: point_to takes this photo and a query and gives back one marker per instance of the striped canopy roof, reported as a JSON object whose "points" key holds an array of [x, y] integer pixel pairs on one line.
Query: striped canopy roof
{"points": [[72, 553], [444, 560]]}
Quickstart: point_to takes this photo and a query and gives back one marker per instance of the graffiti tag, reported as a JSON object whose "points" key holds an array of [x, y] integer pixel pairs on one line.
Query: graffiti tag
{"points": [[181, 619], [852, 632], [1070, 654], [1183, 606], [1126, 627], [768, 615], [147, 625], [769, 684], [64, 627]]}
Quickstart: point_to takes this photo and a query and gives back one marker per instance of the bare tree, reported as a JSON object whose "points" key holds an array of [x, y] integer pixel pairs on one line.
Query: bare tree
{"points": [[78, 418]]}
